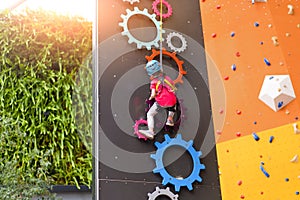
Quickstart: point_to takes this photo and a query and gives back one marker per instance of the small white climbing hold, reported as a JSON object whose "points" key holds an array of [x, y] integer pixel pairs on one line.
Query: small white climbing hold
{"points": [[259, 1], [294, 159], [132, 1], [275, 41], [291, 9], [295, 126]]}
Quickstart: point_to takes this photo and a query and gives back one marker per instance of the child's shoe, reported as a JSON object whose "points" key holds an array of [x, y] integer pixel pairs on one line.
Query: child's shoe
{"points": [[170, 121], [147, 133]]}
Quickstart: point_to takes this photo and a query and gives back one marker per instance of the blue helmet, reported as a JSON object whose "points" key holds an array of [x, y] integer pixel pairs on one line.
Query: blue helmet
{"points": [[152, 67]]}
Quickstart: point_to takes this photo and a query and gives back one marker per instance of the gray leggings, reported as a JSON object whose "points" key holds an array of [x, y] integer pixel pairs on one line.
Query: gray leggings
{"points": [[153, 111]]}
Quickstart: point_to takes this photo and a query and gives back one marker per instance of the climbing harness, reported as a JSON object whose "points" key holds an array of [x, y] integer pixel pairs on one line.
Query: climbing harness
{"points": [[167, 82]]}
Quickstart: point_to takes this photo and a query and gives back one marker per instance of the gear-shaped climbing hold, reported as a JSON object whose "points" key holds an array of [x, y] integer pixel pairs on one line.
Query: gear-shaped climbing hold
{"points": [[132, 39], [182, 39], [174, 57], [136, 128], [157, 12], [132, 1], [167, 178], [162, 192]]}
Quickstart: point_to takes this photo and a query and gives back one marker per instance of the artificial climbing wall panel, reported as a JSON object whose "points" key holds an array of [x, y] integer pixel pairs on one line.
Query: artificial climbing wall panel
{"points": [[126, 168], [245, 42]]}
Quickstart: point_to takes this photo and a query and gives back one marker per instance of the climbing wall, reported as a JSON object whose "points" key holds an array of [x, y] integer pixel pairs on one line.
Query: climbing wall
{"points": [[180, 163], [250, 47]]}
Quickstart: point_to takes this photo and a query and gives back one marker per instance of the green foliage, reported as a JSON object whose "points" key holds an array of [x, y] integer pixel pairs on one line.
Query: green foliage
{"points": [[16, 186], [15, 183], [46, 90]]}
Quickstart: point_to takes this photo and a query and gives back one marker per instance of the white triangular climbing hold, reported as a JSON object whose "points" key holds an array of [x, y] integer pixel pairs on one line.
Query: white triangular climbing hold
{"points": [[277, 91]]}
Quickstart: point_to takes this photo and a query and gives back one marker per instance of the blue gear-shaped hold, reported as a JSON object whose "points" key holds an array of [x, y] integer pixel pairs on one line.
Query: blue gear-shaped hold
{"points": [[167, 178], [131, 38]]}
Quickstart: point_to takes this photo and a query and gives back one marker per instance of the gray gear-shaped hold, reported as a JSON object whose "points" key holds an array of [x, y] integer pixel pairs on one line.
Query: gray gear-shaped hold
{"points": [[165, 192], [132, 39], [182, 39], [132, 1]]}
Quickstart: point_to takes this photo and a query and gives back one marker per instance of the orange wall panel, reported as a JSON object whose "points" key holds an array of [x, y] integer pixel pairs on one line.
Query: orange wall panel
{"points": [[254, 26]]}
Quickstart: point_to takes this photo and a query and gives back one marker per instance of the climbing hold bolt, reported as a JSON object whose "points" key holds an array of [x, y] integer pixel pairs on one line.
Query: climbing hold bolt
{"points": [[264, 171], [255, 136], [271, 139], [267, 62], [233, 67]]}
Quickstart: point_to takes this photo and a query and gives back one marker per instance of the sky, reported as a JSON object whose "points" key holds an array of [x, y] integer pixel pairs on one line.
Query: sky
{"points": [[84, 8]]}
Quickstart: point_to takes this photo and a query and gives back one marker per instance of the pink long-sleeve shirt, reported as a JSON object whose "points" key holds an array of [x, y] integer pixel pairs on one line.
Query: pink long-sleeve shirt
{"points": [[165, 96]]}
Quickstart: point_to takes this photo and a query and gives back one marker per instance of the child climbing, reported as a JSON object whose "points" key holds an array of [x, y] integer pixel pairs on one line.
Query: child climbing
{"points": [[163, 91]]}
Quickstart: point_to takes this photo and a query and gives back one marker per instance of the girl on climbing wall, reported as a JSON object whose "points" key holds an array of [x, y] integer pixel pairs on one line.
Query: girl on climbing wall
{"points": [[163, 91]]}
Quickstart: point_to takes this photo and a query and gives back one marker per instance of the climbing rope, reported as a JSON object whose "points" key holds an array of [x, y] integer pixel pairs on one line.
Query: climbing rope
{"points": [[161, 30], [161, 16]]}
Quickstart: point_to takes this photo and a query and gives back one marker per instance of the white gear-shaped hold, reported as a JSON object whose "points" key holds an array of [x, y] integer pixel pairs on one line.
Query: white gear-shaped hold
{"points": [[132, 39], [165, 192], [132, 1], [182, 39]]}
